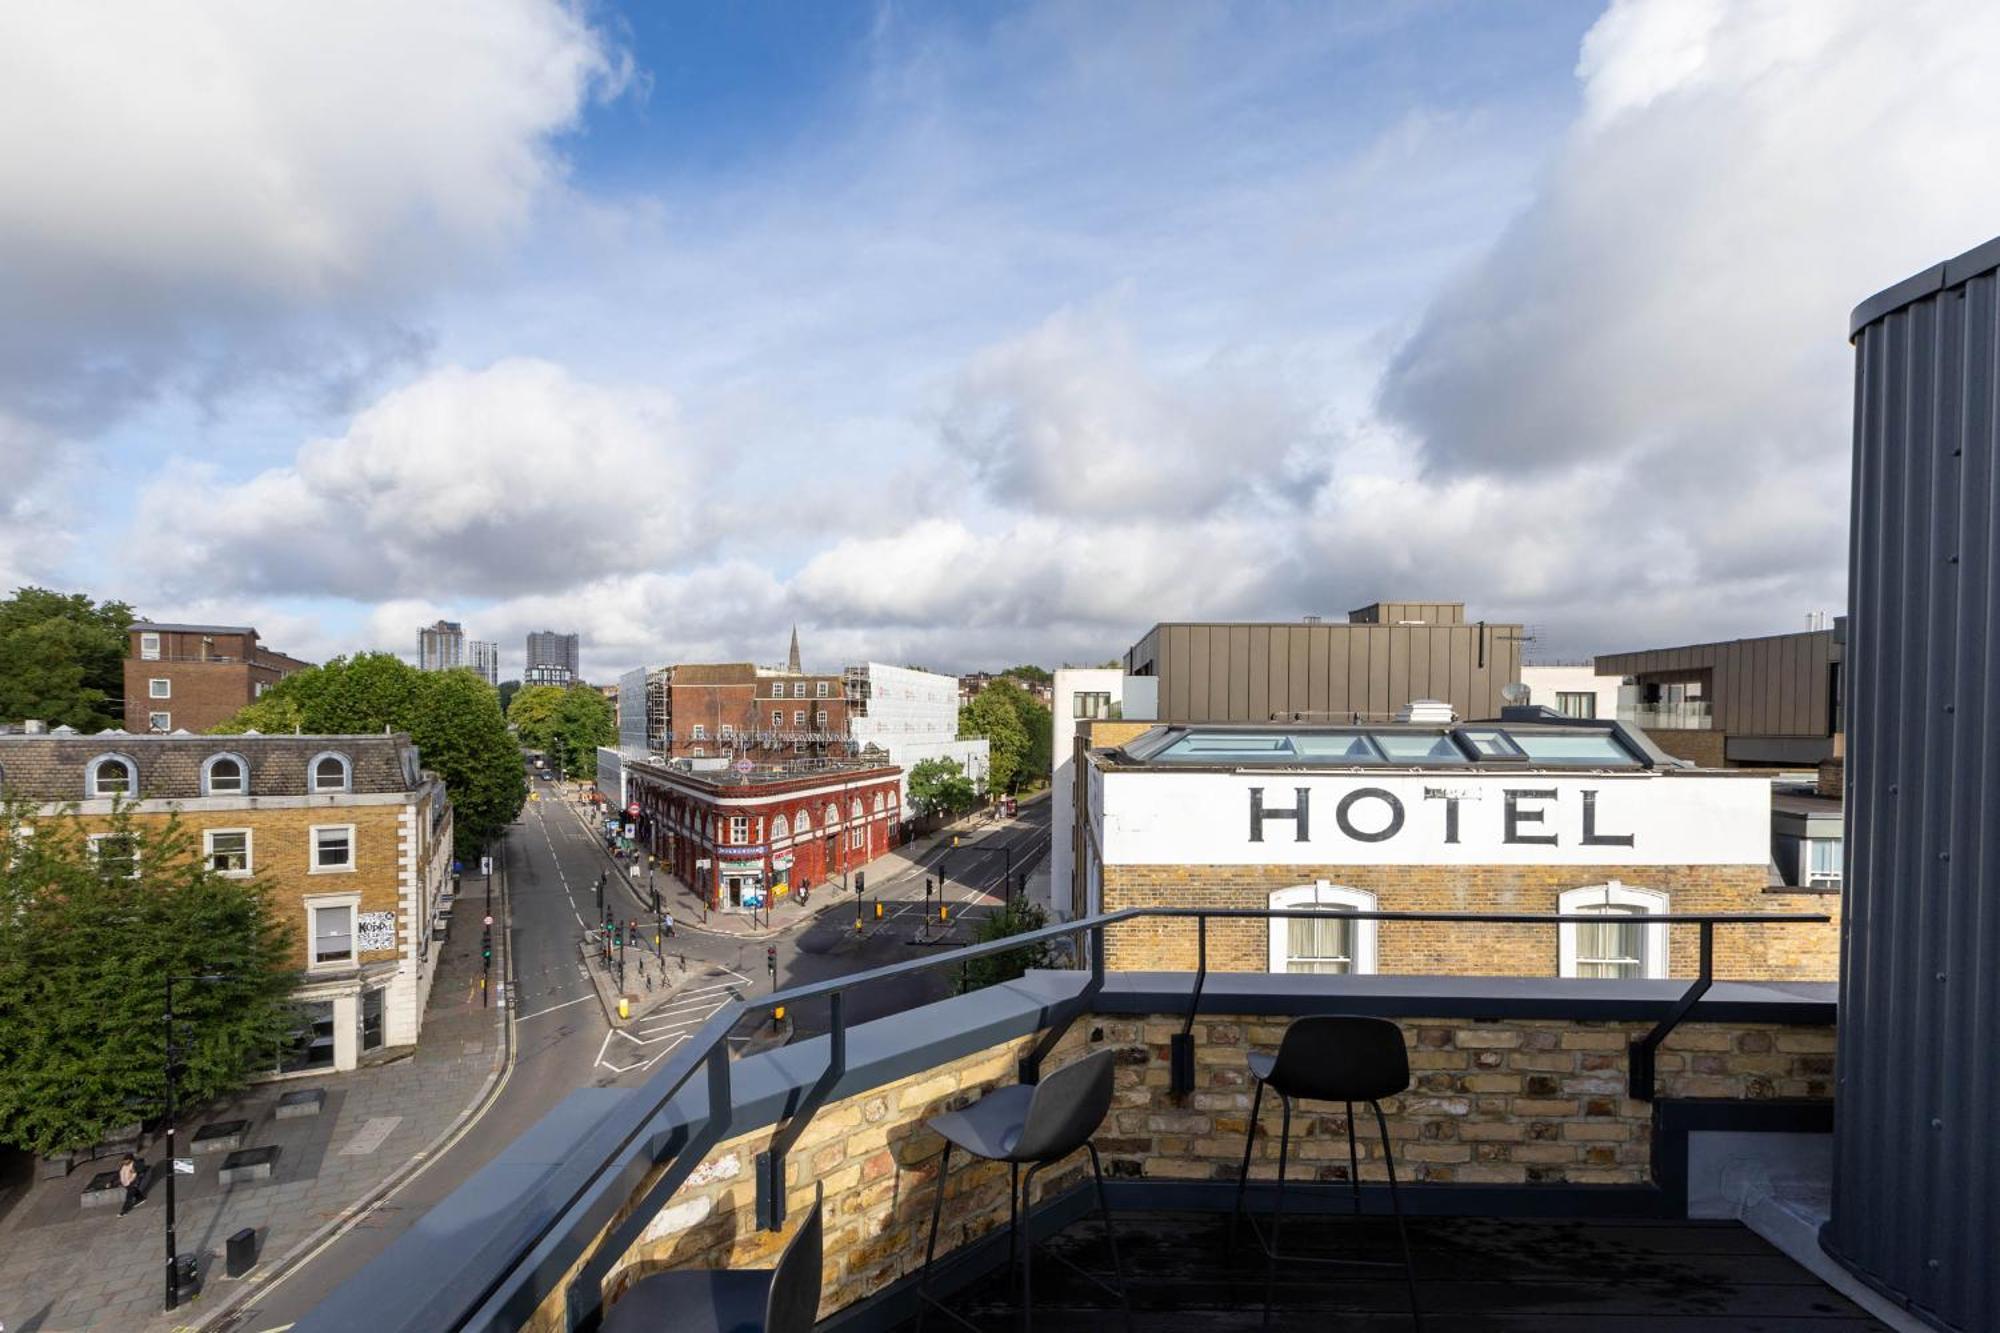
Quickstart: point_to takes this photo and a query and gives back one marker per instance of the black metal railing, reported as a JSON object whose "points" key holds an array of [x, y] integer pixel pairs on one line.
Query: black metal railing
{"points": [[556, 1244]]}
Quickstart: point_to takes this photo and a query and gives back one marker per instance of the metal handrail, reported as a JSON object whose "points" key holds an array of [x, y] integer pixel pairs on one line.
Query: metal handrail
{"points": [[709, 1047]]}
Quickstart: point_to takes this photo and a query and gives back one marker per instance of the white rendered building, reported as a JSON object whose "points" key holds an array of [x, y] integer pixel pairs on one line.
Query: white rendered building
{"points": [[913, 715], [1081, 694]]}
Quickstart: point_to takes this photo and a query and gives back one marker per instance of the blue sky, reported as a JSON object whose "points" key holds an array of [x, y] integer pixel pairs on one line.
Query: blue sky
{"points": [[960, 335]]}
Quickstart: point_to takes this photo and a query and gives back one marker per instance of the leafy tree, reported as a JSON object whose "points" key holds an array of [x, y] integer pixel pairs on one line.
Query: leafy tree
{"points": [[508, 689], [1019, 734], [452, 716], [532, 714], [86, 947], [62, 659], [940, 786], [584, 720], [1018, 917], [1035, 674]]}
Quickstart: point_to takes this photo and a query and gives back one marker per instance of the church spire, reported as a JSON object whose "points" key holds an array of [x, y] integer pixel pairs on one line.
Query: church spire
{"points": [[792, 662]]}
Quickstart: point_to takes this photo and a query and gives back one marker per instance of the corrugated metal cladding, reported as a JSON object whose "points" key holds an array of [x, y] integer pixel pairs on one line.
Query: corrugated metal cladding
{"points": [[1778, 685], [1916, 1199], [1257, 673]]}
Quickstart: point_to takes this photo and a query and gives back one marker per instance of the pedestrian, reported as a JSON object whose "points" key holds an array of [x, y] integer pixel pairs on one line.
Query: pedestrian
{"points": [[667, 923], [132, 1175]]}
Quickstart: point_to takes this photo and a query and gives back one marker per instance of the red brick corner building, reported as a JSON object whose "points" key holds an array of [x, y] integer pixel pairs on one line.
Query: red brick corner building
{"points": [[784, 827]]}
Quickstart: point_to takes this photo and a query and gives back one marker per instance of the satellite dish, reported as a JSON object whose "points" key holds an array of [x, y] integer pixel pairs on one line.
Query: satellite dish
{"points": [[1515, 693]]}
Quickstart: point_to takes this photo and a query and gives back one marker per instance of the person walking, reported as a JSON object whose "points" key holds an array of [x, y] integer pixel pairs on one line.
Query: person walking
{"points": [[667, 922], [132, 1175]]}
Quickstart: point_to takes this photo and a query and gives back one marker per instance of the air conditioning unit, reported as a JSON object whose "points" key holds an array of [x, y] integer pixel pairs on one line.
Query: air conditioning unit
{"points": [[1435, 712]]}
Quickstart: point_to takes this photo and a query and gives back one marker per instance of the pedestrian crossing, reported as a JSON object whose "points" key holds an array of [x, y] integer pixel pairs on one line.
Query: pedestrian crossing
{"points": [[655, 1036]]}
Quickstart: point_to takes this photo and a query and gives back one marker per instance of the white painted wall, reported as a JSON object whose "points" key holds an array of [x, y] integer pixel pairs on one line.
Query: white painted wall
{"points": [[1136, 699], [1167, 818], [1544, 682]]}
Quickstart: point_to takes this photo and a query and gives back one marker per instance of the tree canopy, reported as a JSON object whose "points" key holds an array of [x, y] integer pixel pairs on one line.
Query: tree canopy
{"points": [[87, 942], [569, 723], [62, 659], [452, 716], [1018, 917], [1039, 675], [940, 786], [1018, 731], [508, 689]]}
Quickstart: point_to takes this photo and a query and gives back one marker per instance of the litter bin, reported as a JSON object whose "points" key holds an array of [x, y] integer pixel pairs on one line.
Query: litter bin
{"points": [[187, 1277], [242, 1252]]}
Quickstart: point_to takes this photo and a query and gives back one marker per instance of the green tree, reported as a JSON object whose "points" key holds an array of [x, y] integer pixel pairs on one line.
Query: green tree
{"points": [[1019, 734], [1036, 675], [533, 714], [1018, 917], [993, 715], [508, 689], [87, 942], [452, 716], [62, 659], [940, 786], [584, 721]]}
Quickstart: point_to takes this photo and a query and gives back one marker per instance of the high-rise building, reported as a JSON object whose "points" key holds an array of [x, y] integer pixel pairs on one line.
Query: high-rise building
{"points": [[441, 647], [485, 660], [552, 658]]}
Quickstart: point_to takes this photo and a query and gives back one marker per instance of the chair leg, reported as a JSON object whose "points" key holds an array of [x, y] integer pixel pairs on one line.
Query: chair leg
{"points": [[1110, 1235], [930, 1247], [1028, 1257], [1013, 1213], [1243, 1176], [1396, 1203], [1353, 1162], [1278, 1210]]}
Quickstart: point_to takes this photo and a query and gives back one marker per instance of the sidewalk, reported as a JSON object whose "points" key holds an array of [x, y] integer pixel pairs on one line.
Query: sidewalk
{"points": [[890, 868], [65, 1267]]}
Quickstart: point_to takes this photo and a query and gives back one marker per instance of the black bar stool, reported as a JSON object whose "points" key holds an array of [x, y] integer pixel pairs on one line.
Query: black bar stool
{"points": [[1036, 1125], [1329, 1058], [784, 1299]]}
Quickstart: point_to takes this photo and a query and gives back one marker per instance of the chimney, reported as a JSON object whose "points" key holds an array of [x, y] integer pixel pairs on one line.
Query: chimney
{"points": [[34, 726]]}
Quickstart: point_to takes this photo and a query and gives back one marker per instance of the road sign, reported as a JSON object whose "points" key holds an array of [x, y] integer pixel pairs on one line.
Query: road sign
{"points": [[745, 766], [488, 921], [631, 830], [183, 1166], [485, 865], [633, 809], [783, 861], [703, 864]]}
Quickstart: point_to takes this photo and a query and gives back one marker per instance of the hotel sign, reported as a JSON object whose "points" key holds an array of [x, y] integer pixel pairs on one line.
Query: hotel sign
{"points": [[1166, 818]]}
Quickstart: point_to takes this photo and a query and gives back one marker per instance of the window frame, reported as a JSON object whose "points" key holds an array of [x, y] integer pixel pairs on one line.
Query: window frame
{"points": [[159, 722], [1366, 957], [820, 721], [739, 830], [1822, 880], [124, 761], [726, 732], [346, 786], [333, 902], [159, 687], [97, 857], [1654, 957], [313, 866], [777, 719], [819, 689], [249, 852], [208, 773], [698, 732], [149, 647]]}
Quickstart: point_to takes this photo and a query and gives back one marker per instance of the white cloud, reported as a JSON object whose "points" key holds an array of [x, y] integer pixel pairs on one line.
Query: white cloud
{"points": [[466, 483], [190, 186]]}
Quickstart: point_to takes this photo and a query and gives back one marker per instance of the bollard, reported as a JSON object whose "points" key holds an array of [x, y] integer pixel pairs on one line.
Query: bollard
{"points": [[878, 911], [624, 1008], [944, 913]]}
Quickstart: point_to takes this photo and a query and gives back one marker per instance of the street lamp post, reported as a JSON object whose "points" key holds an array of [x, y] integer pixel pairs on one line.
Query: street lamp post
{"points": [[173, 1075]]}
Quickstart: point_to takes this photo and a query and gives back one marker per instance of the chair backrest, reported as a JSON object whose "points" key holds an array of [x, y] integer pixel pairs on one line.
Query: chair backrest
{"points": [[1341, 1058], [793, 1305], [1066, 1109]]}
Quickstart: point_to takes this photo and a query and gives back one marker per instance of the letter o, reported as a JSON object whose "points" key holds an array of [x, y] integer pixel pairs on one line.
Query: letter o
{"points": [[1383, 834]]}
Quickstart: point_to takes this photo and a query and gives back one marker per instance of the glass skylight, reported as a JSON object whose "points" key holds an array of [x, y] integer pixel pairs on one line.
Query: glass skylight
{"points": [[1590, 749]]}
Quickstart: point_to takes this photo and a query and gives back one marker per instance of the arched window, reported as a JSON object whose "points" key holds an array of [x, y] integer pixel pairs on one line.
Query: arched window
{"points": [[854, 808], [1310, 944], [832, 817], [225, 775], [112, 775], [803, 822], [1622, 946], [329, 771], [779, 828], [881, 803]]}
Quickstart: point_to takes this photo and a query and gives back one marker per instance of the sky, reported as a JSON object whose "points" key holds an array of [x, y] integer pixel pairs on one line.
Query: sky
{"points": [[960, 336]]}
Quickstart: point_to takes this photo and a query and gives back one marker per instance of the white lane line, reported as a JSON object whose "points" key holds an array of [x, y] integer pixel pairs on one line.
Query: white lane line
{"points": [[522, 1018]]}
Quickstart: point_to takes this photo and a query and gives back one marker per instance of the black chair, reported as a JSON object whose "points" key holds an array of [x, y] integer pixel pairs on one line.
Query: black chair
{"points": [[1034, 1125], [784, 1299], [1329, 1058]]}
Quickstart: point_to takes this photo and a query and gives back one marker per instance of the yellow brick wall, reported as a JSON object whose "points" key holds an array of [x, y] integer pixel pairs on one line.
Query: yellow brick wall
{"points": [[1522, 1102], [1791, 952], [280, 851], [1703, 748]]}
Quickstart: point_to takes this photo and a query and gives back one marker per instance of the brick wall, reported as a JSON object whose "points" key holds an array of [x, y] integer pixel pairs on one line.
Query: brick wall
{"points": [[1705, 748], [1520, 1102], [202, 694], [1803, 952]]}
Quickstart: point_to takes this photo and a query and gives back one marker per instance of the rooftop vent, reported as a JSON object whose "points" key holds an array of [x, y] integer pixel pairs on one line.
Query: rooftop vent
{"points": [[34, 726], [67, 730], [1435, 711]]}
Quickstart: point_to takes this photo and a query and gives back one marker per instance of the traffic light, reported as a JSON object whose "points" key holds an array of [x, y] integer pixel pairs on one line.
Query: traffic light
{"points": [[860, 880], [771, 962], [656, 902], [486, 945]]}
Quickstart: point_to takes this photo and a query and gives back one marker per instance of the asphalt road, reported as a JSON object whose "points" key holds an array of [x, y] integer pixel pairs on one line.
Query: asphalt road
{"points": [[551, 862]]}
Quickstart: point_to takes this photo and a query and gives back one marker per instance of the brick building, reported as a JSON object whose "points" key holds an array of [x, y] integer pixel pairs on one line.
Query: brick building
{"points": [[735, 710], [1531, 814], [350, 832], [191, 677], [780, 826]]}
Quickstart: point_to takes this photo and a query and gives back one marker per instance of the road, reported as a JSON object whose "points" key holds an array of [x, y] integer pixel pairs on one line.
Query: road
{"points": [[551, 863]]}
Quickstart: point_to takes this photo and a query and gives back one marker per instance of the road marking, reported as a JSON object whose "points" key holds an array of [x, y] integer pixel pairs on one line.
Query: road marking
{"points": [[552, 1008]]}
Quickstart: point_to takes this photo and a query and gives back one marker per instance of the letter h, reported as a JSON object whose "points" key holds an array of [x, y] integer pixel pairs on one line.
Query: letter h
{"points": [[1297, 814]]}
